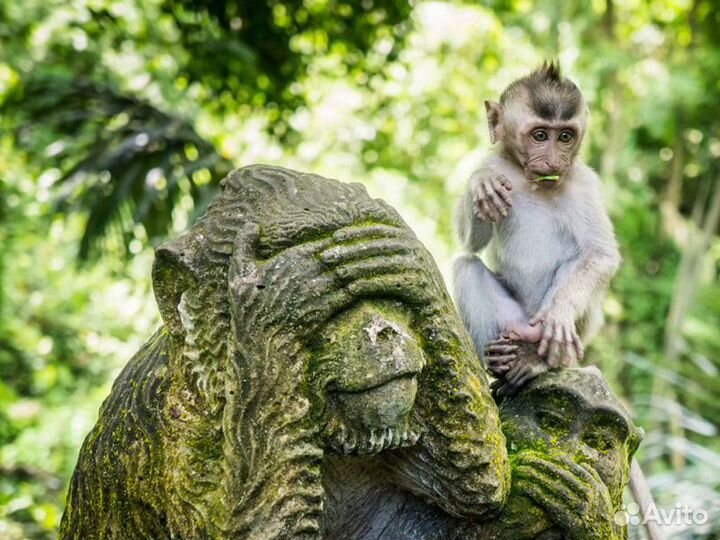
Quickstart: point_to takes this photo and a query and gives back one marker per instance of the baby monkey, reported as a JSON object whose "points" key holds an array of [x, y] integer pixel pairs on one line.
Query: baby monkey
{"points": [[535, 212]]}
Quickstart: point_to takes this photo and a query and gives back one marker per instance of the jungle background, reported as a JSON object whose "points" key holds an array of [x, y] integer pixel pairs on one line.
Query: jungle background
{"points": [[118, 118]]}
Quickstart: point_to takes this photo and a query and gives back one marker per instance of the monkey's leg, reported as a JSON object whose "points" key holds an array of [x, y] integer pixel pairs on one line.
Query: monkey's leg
{"points": [[486, 306]]}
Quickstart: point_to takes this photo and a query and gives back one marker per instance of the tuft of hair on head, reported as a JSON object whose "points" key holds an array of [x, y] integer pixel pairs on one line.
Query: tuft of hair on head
{"points": [[550, 95], [549, 71]]}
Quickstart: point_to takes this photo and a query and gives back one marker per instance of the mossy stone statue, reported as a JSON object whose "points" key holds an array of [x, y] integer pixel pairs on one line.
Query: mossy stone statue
{"points": [[312, 380]]}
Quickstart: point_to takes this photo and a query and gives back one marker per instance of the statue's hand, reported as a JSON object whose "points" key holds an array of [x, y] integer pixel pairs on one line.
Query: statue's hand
{"points": [[573, 495], [302, 287], [381, 260], [289, 291]]}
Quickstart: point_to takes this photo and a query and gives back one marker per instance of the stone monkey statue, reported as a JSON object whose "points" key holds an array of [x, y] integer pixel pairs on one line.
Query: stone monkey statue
{"points": [[229, 421]]}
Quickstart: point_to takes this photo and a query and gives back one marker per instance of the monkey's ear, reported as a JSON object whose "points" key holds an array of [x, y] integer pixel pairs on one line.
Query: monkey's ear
{"points": [[173, 273], [493, 110]]}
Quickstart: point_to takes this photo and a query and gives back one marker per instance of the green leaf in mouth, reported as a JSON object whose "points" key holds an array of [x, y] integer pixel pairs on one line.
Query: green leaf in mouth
{"points": [[550, 177]]}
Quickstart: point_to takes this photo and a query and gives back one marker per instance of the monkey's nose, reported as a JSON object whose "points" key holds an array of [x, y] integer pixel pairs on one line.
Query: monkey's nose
{"points": [[550, 167]]}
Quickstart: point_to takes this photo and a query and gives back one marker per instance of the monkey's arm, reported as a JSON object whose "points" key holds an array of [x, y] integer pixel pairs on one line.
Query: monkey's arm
{"points": [[486, 200], [579, 282], [474, 234]]}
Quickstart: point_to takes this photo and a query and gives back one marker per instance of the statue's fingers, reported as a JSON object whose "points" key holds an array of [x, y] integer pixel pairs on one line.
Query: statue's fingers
{"points": [[374, 266], [339, 254], [500, 388], [554, 505], [543, 475], [515, 371], [497, 383], [499, 368], [565, 503], [283, 288], [355, 233], [519, 378], [582, 472], [409, 286], [560, 470], [318, 312], [593, 474]]}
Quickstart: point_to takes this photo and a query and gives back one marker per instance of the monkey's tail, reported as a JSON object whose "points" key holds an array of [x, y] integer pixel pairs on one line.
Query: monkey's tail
{"points": [[641, 493]]}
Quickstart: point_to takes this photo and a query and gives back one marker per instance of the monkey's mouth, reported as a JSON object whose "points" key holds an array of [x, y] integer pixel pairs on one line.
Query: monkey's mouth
{"points": [[547, 179]]}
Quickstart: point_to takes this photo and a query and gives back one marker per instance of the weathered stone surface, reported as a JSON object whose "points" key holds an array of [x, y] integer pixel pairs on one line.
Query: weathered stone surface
{"points": [[313, 380]]}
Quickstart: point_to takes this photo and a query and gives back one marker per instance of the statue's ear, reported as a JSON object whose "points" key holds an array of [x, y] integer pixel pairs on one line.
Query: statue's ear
{"points": [[173, 273], [636, 437]]}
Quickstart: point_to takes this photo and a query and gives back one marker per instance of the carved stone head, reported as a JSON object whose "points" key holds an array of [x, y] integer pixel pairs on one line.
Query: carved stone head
{"points": [[574, 412]]}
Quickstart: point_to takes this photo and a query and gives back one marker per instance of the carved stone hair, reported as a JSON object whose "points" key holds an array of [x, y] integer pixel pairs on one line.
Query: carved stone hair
{"points": [[550, 95]]}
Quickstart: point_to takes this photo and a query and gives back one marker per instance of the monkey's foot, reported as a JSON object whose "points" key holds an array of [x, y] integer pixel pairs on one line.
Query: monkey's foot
{"points": [[500, 355], [512, 375], [523, 331]]}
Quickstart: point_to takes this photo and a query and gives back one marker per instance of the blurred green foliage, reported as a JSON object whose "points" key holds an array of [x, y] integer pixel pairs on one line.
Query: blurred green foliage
{"points": [[118, 118]]}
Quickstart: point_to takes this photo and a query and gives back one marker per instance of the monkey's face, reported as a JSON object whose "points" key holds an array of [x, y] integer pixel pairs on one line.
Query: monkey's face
{"points": [[550, 149], [544, 147], [364, 376]]}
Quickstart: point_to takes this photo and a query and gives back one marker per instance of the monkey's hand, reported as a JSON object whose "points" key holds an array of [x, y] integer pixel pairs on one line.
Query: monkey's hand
{"points": [[490, 193], [560, 343], [514, 363], [573, 495]]}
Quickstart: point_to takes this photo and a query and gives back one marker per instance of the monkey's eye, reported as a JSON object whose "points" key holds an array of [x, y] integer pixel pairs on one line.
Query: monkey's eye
{"points": [[540, 135], [566, 136]]}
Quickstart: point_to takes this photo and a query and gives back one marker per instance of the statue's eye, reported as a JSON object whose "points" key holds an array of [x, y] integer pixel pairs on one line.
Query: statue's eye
{"points": [[540, 135], [599, 441], [566, 136], [551, 421]]}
